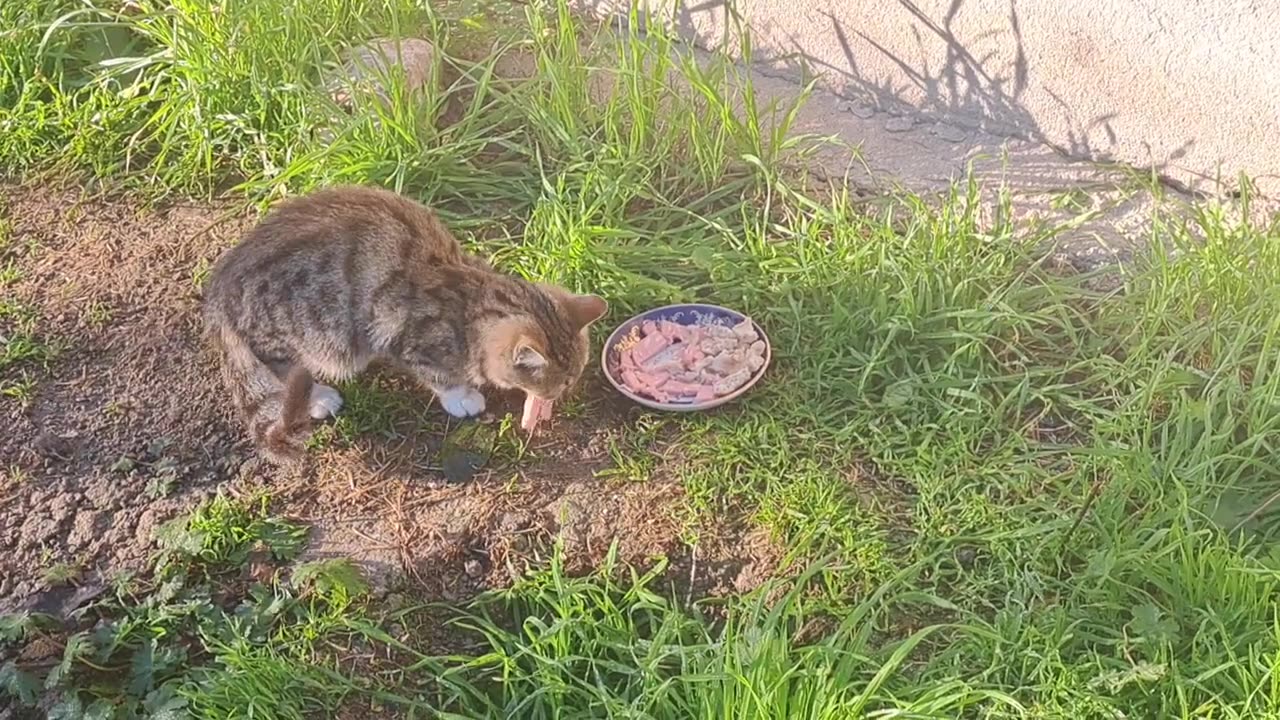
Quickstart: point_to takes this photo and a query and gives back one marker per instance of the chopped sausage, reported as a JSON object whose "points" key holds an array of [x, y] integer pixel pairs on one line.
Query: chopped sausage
{"points": [[648, 347]]}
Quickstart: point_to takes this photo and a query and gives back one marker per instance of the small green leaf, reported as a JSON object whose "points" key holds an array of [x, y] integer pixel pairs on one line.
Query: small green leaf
{"points": [[1150, 623], [99, 710], [164, 703], [78, 646], [703, 257], [1116, 680], [123, 465], [19, 684], [14, 627], [337, 578], [142, 668], [68, 708]]}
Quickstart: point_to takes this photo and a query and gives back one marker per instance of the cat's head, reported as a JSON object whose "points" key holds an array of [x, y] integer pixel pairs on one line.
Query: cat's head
{"points": [[544, 350]]}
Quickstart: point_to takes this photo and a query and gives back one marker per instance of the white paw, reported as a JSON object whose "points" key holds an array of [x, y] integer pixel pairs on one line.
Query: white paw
{"points": [[462, 401], [325, 402]]}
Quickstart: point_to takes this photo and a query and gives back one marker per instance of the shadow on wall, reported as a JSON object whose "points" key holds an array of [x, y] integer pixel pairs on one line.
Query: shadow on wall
{"points": [[963, 88]]}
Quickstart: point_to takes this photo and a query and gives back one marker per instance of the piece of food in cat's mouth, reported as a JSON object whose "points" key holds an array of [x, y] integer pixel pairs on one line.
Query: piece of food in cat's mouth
{"points": [[536, 409]]}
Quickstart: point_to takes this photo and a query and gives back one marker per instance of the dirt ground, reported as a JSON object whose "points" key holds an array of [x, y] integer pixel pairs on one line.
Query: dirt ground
{"points": [[128, 426]]}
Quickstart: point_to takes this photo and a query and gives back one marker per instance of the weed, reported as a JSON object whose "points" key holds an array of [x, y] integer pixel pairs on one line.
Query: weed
{"points": [[16, 475], [161, 485], [633, 453], [97, 314], [200, 273], [60, 573], [168, 650], [21, 390], [222, 534], [9, 273]]}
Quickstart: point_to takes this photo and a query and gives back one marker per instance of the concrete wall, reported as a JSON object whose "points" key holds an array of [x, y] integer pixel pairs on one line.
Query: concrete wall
{"points": [[1189, 87]]}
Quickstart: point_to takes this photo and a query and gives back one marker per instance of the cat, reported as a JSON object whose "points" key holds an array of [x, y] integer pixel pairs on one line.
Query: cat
{"points": [[328, 283]]}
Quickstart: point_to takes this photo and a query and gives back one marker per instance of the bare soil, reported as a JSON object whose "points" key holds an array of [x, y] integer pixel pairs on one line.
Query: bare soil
{"points": [[128, 426]]}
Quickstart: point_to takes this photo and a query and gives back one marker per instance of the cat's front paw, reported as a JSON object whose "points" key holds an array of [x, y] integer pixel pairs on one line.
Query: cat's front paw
{"points": [[462, 401]]}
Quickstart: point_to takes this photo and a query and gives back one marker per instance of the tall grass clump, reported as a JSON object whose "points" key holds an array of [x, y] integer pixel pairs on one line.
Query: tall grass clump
{"points": [[611, 646]]}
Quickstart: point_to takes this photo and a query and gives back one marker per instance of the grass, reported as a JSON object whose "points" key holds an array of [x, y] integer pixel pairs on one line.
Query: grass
{"points": [[1035, 499]]}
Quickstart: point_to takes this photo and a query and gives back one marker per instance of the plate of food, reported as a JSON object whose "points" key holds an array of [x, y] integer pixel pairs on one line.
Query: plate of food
{"points": [[686, 357]]}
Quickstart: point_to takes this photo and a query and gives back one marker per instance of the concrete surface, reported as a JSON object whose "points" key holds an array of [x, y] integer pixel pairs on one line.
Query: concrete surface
{"points": [[1191, 90]]}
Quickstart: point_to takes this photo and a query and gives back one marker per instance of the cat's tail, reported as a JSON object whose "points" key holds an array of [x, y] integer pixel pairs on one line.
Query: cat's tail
{"points": [[275, 410]]}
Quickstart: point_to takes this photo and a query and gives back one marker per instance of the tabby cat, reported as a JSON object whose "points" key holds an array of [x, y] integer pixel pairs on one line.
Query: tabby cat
{"points": [[328, 283]]}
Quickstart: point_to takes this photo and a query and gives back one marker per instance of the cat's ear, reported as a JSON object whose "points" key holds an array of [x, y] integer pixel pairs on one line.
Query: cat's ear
{"points": [[586, 309], [527, 357]]}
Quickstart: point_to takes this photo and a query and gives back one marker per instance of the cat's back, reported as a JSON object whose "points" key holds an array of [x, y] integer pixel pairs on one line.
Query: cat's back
{"points": [[345, 234]]}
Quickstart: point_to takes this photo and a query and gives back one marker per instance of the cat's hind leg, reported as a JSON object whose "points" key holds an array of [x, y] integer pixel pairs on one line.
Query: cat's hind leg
{"points": [[275, 409], [330, 365]]}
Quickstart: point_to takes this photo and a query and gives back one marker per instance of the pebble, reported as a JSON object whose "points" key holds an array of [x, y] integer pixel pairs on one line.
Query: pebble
{"points": [[366, 67], [950, 133], [899, 124], [860, 110]]}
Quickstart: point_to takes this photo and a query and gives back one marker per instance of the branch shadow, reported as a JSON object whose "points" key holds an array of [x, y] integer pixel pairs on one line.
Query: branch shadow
{"points": [[969, 88]]}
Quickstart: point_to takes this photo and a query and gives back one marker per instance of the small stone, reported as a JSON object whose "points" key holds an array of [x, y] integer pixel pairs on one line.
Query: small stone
{"points": [[87, 528], [474, 568], [513, 521], [157, 447], [367, 67], [39, 528], [124, 464], [860, 110], [950, 133], [899, 124], [53, 446]]}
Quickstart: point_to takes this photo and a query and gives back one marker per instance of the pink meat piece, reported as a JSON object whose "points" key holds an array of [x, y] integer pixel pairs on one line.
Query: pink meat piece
{"points": [[690, 355], [646, 383], [630, 379], [705, 394], [669, 364], [683, 389], [648, 347], [627, 361], [682, 333], [654, 379], [649, 327]]}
